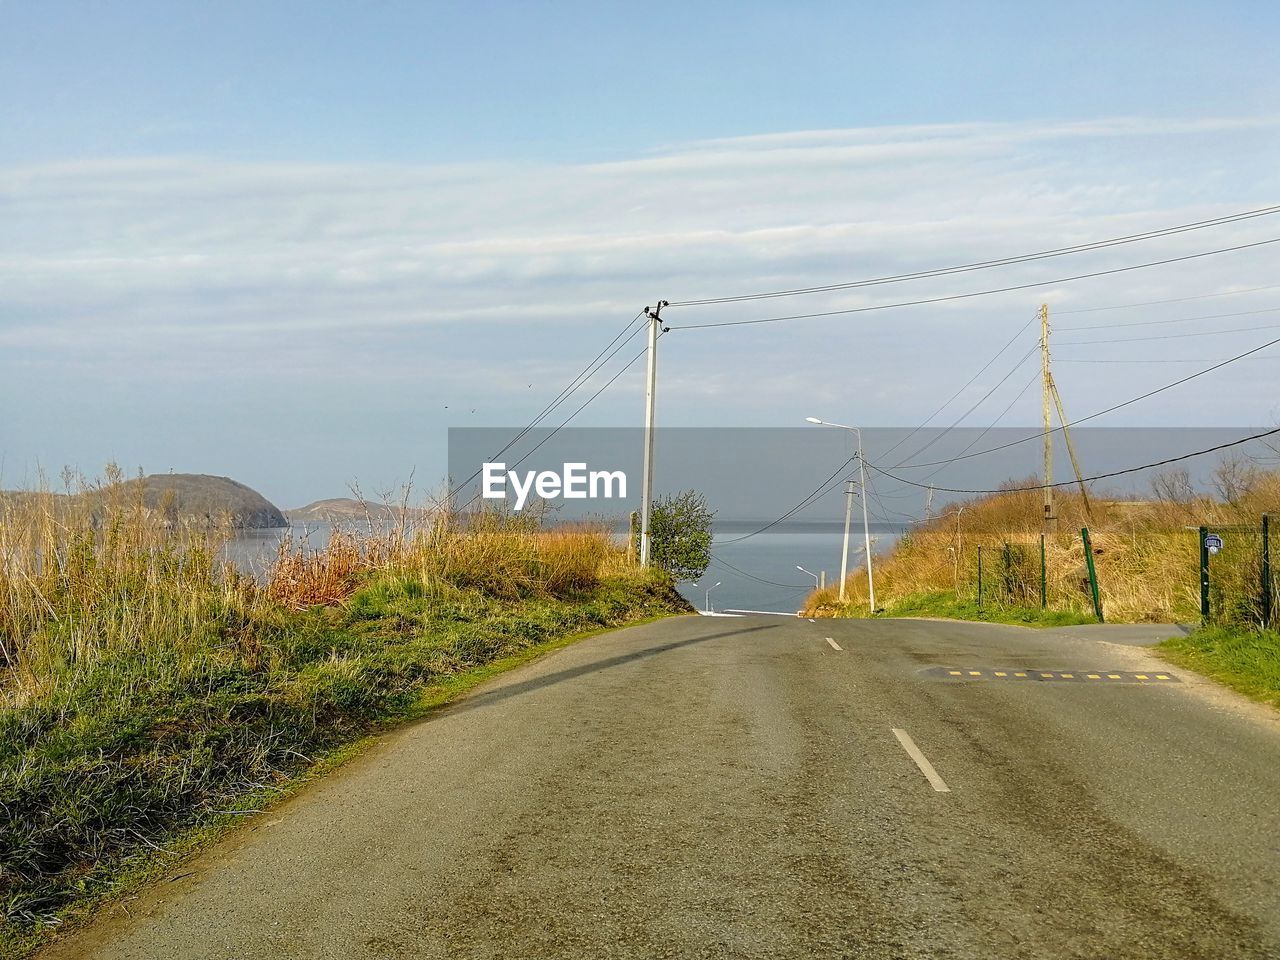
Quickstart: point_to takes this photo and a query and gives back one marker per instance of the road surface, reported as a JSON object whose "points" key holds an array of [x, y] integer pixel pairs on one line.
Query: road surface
{"points": [[769, 787]]}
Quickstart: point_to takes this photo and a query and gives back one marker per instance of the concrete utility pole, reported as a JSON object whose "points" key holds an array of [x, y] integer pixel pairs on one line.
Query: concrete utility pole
{"points": [[1046, 379], [848, 510], [866, 529], [844, 551], [650, 396]]}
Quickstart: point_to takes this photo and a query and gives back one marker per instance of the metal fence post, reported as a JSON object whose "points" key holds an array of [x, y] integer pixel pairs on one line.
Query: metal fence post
{"points": [[1044, 580], [1093, 573], [1266, 571], [979, 576], [1204, 575]]}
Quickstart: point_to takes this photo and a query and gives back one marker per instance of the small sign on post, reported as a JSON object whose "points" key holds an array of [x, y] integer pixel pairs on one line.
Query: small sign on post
{"points": [[1212, 542]]}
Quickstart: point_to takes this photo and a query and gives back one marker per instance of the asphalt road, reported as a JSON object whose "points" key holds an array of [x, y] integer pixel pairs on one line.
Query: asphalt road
{"points": [[742, 788]]}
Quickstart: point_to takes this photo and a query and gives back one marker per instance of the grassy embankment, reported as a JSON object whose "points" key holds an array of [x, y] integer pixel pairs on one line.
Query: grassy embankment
{"points": [[1244, 659], [148, 696], [1147, 559]]}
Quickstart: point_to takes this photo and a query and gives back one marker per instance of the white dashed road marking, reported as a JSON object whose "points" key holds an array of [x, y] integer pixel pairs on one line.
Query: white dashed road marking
{"points": [[921, 761], [834, 645]]}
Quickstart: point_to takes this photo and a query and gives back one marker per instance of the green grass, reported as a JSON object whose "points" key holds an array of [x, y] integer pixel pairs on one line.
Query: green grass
{"points": [[951, 607], [1245, 660], [134, 754]]}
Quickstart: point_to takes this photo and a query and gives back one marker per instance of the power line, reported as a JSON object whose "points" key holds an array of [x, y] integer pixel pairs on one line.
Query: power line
{"points": [[983, 399], [1093, 416], [580, 380], [569, 419], [1087, 327], [976, 293], [607, 384], [1148, 360], [1168, 336], [818, 493], [988, 264], [951, 399], [1100, 476], [1153, 323], [825, 487], [750, 576], [828, 484], [875, 497], [583, 376], [974, 442], [1152, 303]]}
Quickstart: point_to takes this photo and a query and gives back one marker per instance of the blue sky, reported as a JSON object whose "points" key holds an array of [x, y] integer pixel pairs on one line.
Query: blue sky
{"points": [[294, 243], [443, 83]]}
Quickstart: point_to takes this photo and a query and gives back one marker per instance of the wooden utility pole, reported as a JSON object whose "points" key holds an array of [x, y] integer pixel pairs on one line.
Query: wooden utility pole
{"points": [[1046, 379], [1052, 399]]}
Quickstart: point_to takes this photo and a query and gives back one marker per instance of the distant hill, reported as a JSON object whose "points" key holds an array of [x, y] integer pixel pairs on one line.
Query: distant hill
{"points": [[180, 496], [195, 496], [345, 510]]}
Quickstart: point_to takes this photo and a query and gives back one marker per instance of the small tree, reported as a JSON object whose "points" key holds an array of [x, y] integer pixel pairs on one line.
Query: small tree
{"points": [[681, 534]]}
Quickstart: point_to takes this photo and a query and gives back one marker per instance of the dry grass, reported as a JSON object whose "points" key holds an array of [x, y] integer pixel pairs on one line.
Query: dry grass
{"points": [[95, 571], [497, 554], [145, 685], [83, 576], [1146, 554]]}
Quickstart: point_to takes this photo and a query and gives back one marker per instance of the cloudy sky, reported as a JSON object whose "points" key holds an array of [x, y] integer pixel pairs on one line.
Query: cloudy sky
{"points": [[295, 243]]}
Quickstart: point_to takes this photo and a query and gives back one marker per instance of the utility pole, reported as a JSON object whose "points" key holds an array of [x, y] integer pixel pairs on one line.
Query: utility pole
{"points": [[848, 511], [650, 396], [844, 553], [866, 529], [1046, 378]]}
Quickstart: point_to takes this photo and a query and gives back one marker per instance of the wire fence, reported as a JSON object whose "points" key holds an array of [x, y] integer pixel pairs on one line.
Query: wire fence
{"points": [[1223, 574]]}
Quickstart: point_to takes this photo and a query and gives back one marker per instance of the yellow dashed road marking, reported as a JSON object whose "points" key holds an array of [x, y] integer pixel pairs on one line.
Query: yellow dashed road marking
{"points": [[1065, 675]]}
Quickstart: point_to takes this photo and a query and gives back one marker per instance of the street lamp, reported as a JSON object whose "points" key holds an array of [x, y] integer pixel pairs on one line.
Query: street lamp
{"points": [[816, 581], [848, 509], [706, 606]]}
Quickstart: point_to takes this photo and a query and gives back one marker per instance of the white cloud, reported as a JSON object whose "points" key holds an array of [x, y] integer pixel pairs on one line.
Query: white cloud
{"points": [[422, 283]]}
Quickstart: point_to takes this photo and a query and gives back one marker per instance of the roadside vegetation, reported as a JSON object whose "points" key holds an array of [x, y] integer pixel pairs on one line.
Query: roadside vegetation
{"points": [[682, 525], [950, 607], [1146, 555], [149, 692], [1247, 660]]}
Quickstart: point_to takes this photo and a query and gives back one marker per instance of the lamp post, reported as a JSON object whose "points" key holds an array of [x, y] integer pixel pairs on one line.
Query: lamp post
{"points": [[866, 529], [706, 605], [816, 582]]}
